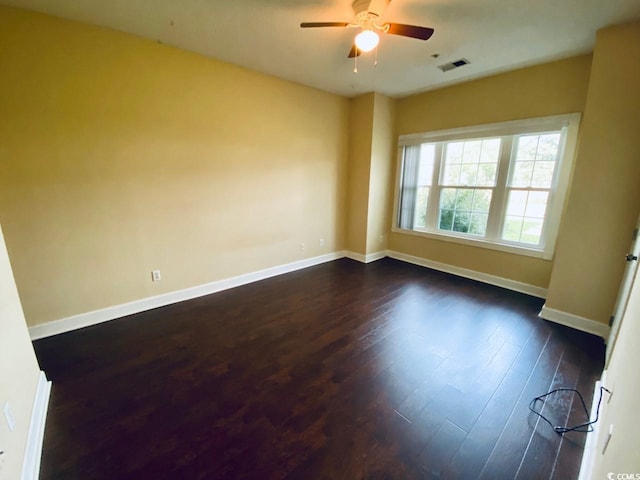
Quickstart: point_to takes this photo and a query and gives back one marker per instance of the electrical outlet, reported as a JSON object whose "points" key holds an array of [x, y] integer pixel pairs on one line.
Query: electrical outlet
{"points": [[156, 276], [302, 247], [322, 242], [8, 415]]}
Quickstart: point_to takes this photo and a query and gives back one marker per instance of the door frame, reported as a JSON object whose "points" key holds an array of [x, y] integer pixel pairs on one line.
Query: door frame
{"points": [[628, 280]]}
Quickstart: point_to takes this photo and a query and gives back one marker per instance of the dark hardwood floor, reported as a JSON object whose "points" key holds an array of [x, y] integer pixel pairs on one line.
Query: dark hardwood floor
{"points": [[340, 371]]}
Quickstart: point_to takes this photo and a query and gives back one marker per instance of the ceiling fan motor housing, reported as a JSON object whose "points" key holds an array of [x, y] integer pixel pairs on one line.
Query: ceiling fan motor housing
{"points": [[361, 6], [365, 17], [374, 7]]}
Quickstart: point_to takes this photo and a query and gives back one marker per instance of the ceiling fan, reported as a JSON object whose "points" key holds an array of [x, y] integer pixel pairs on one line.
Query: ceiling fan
{"points": [[366, 19]]}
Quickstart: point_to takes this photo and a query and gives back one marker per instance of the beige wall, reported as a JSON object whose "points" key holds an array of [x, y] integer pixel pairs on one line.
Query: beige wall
{"points": [[603, 205], [120, 156], [360, 139], [19, 372], [549, 89], [623, 378], [383, 147], [372, 141]]}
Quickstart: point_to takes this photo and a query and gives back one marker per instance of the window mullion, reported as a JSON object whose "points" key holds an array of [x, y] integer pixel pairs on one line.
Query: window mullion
{"points": [[499, 197], [433, 204]]}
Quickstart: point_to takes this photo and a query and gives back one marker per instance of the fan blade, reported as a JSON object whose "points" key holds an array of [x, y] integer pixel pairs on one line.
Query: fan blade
{"points": [[421, 33], [355, 52], [323, 24]]}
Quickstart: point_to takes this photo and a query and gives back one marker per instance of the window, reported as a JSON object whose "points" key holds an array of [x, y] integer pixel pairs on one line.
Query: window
{"points": [[500, 186]]}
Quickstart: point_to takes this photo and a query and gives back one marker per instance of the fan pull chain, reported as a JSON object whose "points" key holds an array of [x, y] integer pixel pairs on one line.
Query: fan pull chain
{"points": [[375, 63], [355, 59]]}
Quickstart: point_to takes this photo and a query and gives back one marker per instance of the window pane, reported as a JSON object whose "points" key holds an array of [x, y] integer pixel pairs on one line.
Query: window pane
{"points": [[512, 229], [454, 152], [427, 157], [464, 210], [527, 147], [446, 220], [535, 160], [542, 174], [420, 214], [448, 198], [461, 222], [468, 174], [471, 163], [451, 175], [525, 216], [548, 147], [464, 199], [522, 174], [531, 231], [536, 204], [481, 201], [486, 175], [490, 150], [478, 224], [471, 152], [517, 203]]}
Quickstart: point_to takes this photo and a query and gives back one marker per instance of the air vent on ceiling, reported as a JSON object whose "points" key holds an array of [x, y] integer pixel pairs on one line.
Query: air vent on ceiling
{"points": [[451, 65]]}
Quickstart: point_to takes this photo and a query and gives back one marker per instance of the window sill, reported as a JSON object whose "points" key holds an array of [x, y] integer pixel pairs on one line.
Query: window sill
{"points": [[502, 247]]}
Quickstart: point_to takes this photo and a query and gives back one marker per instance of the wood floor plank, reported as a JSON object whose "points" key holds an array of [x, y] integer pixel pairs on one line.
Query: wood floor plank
{"points": [[510, 447], [569, 455], [473, 404], [440, 450], [343, 370], [536, 462], [475, 450]]}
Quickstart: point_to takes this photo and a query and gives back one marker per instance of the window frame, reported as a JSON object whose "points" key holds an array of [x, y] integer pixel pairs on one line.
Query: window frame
{"points": [[567, 123]]}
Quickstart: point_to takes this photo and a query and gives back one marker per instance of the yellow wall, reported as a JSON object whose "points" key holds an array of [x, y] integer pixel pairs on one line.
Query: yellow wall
{"points": [[119, 156], [360, 138], [19, 372], [603, 205], [372, 141], [623, 378], [548, 89], [383, 145]]}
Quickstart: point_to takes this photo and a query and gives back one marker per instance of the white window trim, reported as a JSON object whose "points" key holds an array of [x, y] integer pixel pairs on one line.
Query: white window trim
{"points": [[559, 191]]}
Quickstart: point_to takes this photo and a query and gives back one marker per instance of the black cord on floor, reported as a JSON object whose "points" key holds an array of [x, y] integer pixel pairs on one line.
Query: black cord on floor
{"points": [[585, 427]]}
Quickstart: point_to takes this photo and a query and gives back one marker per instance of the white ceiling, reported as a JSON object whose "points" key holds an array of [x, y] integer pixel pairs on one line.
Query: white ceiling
{"points": [[264, 35]]}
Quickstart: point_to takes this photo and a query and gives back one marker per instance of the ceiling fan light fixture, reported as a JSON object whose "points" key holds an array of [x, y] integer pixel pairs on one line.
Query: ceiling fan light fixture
{"points": [[367, 40]]}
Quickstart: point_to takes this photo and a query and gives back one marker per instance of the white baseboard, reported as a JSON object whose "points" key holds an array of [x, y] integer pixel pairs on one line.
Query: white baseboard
{"points": [[507, 283], [358, 257], [371, 257], [33, 452], [575, 321], [117, 311], [591, 443]]}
